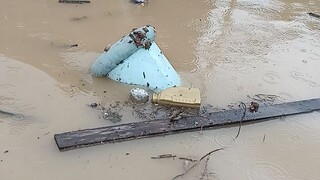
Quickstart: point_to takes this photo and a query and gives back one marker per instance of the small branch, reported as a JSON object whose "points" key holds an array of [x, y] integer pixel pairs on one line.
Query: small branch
{"points": [[74, 1], [164, 156], [196, 164], [244, 107], [187, 159], [314, 15], [205, 169], [167, 156]]}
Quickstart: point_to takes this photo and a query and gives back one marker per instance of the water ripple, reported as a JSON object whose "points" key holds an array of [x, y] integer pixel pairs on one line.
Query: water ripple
{"points": [[224, 139], [297, 75], [69, 90], [209, 75], [7, 100], [163, 35], [12, 70], [73, 64], [164, 45], [45, 36], [194, 64], [271, 77], [250, 142], [266, 170], [314, 56], [310, 127], [16, 130], [3, 58], [288, 142], [21, 25], [309, 171], [238, 68]]}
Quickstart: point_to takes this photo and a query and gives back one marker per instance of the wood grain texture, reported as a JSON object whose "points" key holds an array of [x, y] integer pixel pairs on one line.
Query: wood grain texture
{"points": [[137, 130]]}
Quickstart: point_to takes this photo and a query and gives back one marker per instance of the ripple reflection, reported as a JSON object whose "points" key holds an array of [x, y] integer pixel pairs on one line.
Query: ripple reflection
{"points": [[266, 170]]}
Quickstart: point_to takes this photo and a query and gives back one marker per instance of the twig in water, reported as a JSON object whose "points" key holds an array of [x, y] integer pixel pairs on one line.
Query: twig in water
{"points": [[314, 15], [205, 169], [209, 153], [167, 156], [265, 97], [164, 156], [264, 137], [244, 107], [74, 1], [196, 164], [16, 116], [187, 159], [109, 157], [7, 113]]}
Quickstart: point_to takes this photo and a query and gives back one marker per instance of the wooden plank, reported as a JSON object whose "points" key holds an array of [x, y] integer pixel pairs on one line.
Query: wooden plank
{"points": [[137, 130]]}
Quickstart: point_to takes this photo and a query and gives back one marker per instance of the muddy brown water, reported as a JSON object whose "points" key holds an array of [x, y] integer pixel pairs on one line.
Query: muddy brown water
{"points": [[228, 49]]}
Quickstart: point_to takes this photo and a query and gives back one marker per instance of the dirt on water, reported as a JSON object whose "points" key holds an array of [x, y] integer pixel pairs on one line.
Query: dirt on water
{"points": [[234, 51]]}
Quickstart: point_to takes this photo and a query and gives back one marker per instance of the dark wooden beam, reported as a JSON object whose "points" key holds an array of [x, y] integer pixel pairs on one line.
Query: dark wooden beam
{"points": [[137, 130]]}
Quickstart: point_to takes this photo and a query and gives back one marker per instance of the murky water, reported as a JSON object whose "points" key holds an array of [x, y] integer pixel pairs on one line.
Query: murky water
{"points": [[228, 49]]}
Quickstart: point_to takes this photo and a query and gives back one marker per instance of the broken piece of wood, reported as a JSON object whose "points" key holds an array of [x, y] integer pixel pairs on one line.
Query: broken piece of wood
{"points": [[138, 130], [314, 15], [164, 156], [74, 1]]}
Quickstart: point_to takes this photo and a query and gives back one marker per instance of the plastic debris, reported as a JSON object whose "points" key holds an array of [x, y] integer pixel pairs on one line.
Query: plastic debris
{"points": [[139, 1], [122, 49], [179, 96], [112, 116], [137, 60], [138, 95], [147, 68], [93, 105]]}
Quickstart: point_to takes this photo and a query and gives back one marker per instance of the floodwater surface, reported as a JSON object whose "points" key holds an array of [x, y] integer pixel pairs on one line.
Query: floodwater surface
{"points": [[234, 51]]}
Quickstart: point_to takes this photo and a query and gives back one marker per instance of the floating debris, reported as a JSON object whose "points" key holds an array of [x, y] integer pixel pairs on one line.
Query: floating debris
{"points": [[93, 105], [156, 112], [314, 15], [139, 96], [74, 1], [134, 54], [265, 98], [179, 96], [15, 116], [121, 50], [164, 156], [141, 2], [138, 130], [253, 107], [64, 45], [79, 18], [112, 116]]}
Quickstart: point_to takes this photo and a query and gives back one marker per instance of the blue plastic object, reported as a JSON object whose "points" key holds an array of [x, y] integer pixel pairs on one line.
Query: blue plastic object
{"points": [[137, 61], [148, 68], [122, 49]]}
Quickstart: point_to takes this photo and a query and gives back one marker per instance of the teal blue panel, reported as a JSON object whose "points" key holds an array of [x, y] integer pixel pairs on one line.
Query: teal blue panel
{"points": [[122, 49], [148, 68]]}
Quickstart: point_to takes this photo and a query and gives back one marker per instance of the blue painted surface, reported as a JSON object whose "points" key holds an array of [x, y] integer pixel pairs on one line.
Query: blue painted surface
{"points": [[118, 52], [148, 68], [129, 63]]}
